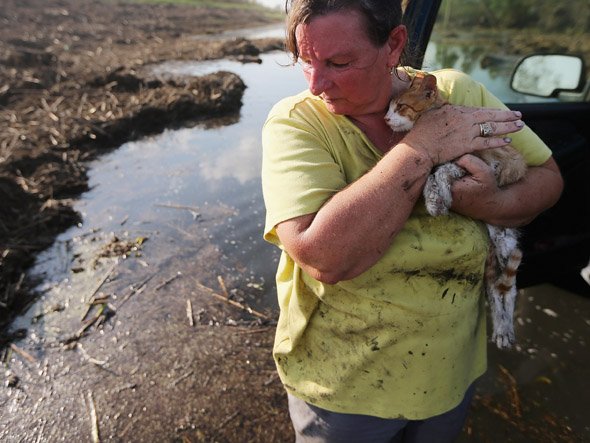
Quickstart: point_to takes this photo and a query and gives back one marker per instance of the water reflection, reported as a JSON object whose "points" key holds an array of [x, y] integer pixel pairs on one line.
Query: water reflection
{"points": [[141, 189], [484, 62], [493, 71]]}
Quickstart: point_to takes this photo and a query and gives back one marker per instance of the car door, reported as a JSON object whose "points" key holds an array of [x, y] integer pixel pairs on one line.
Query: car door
{"points": [[487, 40]]}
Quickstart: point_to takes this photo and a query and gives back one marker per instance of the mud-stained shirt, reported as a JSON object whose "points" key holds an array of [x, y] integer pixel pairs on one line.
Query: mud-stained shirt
{"points": [[407, 337]]}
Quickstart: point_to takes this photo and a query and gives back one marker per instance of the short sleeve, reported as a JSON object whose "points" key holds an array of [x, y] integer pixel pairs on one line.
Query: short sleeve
{"points": [[299, 174]]}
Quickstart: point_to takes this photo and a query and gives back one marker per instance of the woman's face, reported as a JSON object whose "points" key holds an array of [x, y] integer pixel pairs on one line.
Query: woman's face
{"points": [[343, 67]]}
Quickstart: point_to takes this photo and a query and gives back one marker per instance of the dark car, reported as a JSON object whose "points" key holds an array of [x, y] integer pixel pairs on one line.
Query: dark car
{"points": [[533, 58]]}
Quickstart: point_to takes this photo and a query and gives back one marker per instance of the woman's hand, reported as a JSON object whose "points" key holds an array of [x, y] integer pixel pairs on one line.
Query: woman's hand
{"points": [[451, 131], [476, 195]]}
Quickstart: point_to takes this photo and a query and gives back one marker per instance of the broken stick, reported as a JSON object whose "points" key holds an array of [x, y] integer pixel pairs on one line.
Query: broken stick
{"points": [[248, 309], [98, 286]]}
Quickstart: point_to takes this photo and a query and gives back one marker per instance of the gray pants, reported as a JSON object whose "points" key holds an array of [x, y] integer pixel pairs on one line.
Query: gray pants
{"points": [[317, 425]]}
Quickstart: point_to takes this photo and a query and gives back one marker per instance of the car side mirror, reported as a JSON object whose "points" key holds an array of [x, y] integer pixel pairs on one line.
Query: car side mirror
{"points": [[546, 75]]}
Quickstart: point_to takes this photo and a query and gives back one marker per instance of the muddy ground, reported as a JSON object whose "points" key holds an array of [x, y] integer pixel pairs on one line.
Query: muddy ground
{"points": [[142, 356], [71, 88]]}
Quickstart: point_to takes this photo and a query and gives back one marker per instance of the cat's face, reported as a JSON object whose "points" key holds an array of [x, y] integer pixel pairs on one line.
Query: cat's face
{"points": [[405, 109]]}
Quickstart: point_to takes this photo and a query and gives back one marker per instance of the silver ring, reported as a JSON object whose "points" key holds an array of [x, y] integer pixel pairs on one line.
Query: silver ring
{"points": [[485, 129]]}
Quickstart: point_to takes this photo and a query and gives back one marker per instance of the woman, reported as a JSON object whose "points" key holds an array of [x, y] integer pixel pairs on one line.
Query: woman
{"points": [[382, 326]]}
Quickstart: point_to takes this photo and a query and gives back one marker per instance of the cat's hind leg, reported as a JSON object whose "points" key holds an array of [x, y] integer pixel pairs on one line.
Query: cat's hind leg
{"points": [[437, 190], [505, 241], [503, 261], [495, 301], [502, 306]]}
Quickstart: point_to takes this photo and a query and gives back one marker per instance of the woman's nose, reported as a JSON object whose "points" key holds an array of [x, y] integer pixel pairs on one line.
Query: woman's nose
{"points": [[318, 80]]}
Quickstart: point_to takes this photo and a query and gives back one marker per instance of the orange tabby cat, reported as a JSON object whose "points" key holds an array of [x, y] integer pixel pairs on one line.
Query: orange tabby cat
{"points": [[508, 165]]}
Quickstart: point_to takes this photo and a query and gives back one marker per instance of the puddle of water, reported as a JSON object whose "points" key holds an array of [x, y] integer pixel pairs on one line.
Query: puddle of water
{"points": [[179, 189]]}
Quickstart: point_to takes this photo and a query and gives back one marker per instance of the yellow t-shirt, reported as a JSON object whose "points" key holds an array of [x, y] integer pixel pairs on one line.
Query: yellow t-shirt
{"points": [[407, 337]]}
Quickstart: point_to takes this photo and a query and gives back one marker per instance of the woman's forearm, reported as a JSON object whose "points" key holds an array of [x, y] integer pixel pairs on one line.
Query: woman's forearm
{"points": [[538, 191], [357, 225], [514, 205]]}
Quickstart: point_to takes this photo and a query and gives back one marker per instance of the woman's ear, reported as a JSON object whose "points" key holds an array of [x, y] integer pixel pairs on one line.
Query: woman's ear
{"points": [[398, 37], [430, 81]]}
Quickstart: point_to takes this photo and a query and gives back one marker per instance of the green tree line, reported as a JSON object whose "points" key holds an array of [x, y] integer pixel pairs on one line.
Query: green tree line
{"points": [[571, 16]]}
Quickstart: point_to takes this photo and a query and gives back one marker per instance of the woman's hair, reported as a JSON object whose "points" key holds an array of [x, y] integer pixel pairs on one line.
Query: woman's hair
{"points": [[380, 16]]}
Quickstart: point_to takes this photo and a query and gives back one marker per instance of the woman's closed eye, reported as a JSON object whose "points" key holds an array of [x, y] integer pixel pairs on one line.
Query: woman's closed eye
{"points": [[338, 65], [335, 65]]}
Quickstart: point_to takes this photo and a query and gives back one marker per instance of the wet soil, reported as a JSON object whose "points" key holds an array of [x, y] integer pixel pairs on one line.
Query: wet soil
{"points": [[138, 355], [71, 88]]}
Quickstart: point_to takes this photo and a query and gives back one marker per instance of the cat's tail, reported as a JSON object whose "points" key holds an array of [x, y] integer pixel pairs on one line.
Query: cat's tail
{"points": [[507, 279]]}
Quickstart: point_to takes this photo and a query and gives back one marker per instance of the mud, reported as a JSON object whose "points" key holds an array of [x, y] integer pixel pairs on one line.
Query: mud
{"points": [[72, 87]]}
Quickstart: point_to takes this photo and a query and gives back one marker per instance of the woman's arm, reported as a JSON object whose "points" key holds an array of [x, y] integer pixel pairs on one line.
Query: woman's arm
{"points": [[477, 195], [356, 226], [353, 229]]}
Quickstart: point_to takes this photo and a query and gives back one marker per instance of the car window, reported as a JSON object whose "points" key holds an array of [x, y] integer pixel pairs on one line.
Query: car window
{"points": [[487, 38]]}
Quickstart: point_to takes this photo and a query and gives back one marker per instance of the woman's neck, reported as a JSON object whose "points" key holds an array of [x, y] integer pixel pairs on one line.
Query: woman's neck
{"points": [[373, 124], [369, 122], [399, 84], [377, 131]]}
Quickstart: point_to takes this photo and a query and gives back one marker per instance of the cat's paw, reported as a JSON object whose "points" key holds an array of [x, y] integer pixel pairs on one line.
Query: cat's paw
{"points": [[502, 312], [435, 206], [434, 199], [503, 331], [504, 339]]}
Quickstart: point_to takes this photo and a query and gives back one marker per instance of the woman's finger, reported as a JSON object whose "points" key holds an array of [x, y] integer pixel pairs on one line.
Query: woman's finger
{"points": [[481, 143], [475, 166], [495, 115], [495, 129]]}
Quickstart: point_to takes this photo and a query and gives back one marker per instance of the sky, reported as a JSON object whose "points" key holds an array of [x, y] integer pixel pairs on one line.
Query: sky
{"points": [[272, 3]]}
